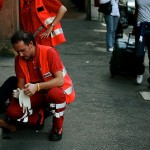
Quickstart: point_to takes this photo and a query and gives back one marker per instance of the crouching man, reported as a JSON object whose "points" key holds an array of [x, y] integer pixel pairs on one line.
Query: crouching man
{"points": [[42, 82]]}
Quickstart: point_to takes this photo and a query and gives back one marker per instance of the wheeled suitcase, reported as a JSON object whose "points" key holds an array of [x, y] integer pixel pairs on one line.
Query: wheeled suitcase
{"points": [[123, 60]]}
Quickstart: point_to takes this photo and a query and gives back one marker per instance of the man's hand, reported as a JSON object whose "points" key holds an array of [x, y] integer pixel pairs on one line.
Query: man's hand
{"points": [[47, 33], [30, 89]]}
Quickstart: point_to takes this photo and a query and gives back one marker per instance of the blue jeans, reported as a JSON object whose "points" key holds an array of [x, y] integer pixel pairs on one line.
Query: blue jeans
{"points": [[112, 23]]}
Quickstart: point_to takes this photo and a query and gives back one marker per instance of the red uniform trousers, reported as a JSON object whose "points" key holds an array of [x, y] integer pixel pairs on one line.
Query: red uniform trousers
{"points": [[55, 99]]}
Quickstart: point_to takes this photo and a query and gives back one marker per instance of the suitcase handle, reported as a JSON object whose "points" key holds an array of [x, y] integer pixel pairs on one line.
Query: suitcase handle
{"points": [[130, 34]]}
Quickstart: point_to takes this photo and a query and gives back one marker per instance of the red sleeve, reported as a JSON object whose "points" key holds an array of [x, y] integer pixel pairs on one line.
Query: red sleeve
{"points": [[18, 70], [52, 5], [54, 61], [1, 4]]}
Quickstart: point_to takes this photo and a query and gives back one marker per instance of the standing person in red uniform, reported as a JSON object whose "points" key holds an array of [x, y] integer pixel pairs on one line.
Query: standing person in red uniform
{"points": [[42, 19], [41, 82], [1, 4]]}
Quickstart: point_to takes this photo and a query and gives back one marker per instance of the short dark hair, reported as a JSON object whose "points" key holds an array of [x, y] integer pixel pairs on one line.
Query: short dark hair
{"points": [[24, 36]]}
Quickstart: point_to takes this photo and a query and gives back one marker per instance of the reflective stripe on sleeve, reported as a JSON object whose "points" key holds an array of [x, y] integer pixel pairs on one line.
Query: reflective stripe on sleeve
{"points": [[69, 90], [56, 32], [49, 20], [64, 72]]}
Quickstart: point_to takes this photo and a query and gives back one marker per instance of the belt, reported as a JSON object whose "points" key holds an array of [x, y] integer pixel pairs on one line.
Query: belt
{"points": [[37, 31]]}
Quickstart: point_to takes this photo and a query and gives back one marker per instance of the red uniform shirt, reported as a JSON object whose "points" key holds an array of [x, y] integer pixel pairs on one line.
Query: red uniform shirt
{"points": [[30, 22], [54, 62]]}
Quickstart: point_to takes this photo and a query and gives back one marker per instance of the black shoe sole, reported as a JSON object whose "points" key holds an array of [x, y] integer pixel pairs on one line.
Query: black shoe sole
{"points": [[55, 138]]}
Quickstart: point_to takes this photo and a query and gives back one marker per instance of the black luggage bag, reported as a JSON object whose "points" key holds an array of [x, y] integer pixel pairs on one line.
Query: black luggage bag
{"points": [[123, 60]]}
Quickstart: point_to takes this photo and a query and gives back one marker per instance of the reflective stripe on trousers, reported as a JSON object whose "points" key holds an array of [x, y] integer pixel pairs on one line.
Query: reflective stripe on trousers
{"points": [[57, 107], [24, 118]]}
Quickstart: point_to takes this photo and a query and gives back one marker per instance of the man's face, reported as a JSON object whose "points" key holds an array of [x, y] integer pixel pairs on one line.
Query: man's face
{"points": [[25, 51]]}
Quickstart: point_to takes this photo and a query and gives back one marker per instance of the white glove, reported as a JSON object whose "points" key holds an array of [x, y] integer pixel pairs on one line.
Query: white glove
{"points": [[24, 101], [16, 93]]}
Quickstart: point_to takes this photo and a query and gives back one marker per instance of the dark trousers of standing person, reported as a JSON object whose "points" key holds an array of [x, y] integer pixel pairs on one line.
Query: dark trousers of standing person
{"points": [[119, 31], [140, 50], [6, 91]]}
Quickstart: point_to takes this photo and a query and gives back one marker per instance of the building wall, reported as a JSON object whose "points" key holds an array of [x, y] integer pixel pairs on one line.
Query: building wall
{"points": [[94, 11], [9, 19]]}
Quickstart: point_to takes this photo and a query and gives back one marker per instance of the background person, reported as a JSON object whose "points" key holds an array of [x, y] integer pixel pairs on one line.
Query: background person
{"points": [[142, 15], [111, 23], [42, 19]]}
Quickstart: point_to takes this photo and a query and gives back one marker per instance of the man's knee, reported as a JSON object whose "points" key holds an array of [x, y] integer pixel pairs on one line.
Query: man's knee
{"points": [[14, 111], [56, 94]]}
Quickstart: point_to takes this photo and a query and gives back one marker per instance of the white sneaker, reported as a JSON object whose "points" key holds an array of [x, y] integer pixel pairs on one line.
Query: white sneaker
{"points": [[110, 49], [139, 79]]}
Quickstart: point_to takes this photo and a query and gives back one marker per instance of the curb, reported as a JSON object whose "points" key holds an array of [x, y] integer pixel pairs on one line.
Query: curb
{"points": [[1, 133]]}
